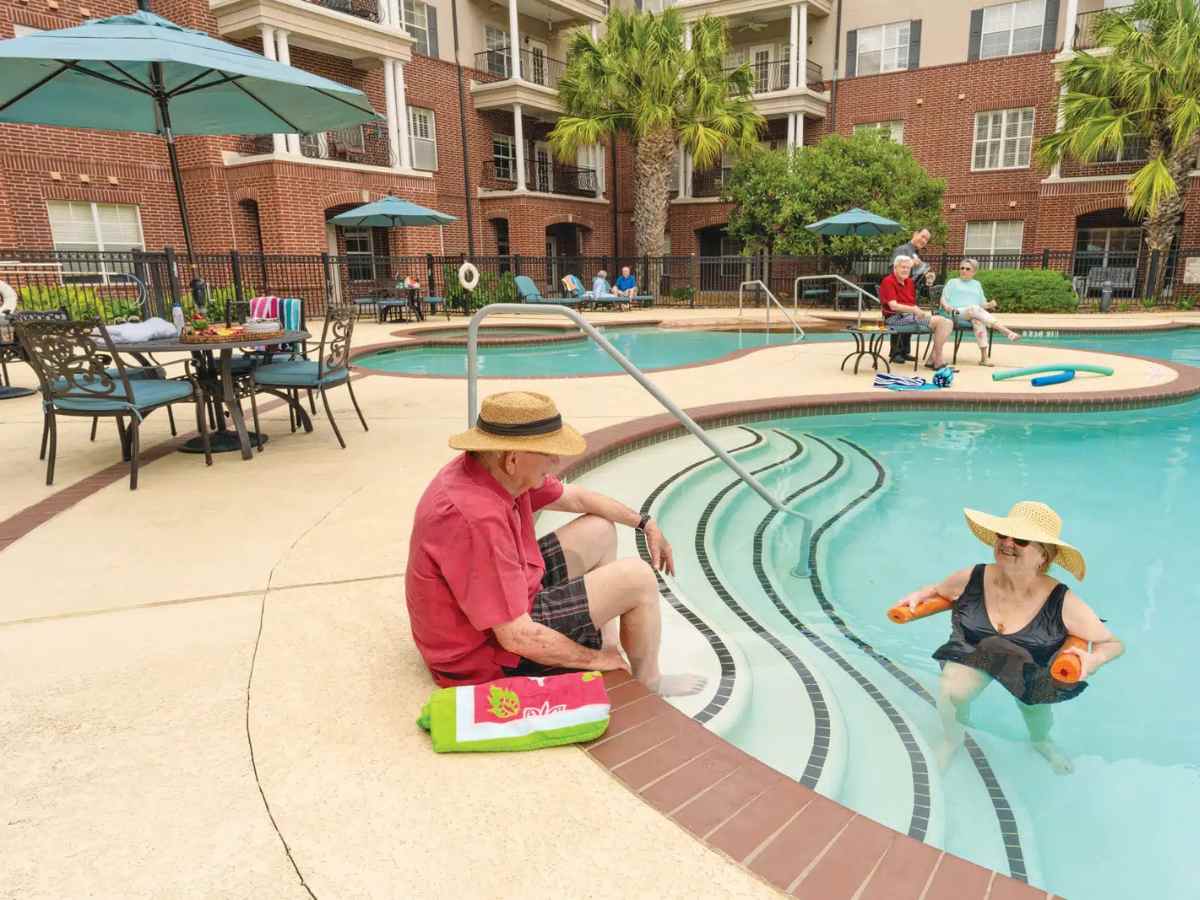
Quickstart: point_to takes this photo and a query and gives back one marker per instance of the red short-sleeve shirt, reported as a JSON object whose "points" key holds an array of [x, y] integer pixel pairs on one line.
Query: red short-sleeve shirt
{"points": [[473, 563], [892, 290]]}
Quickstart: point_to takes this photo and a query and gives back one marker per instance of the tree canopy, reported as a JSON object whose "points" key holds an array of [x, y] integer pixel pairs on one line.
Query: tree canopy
{"points": [[777, 194]]}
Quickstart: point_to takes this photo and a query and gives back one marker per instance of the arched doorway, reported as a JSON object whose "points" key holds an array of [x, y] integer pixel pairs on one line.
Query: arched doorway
{"points": [[1106, 238], [564, 251], [722, 265]]}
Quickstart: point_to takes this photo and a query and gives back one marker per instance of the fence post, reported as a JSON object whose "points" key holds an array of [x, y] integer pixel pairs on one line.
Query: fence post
{"points": [[1045, 257], [645, 279], [695, 279], [327, 271], [172, 274], [516, 264], [235, 266], [140, 272], [430, 284]]}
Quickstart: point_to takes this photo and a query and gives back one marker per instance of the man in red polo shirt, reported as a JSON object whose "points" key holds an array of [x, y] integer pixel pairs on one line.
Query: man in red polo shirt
{"points": [[486, 598], [898, 297]]}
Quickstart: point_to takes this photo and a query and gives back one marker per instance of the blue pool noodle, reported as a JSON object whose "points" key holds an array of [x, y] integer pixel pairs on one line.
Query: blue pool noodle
{"points": [[1056, 378]]}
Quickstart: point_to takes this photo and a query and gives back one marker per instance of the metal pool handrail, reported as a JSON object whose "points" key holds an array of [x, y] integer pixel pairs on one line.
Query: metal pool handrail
{"points": [[639, 376], [771, 299], [862, 292]]}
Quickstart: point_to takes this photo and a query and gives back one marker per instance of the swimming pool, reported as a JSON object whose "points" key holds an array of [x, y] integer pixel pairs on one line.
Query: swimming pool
{"points": [[649, 348], [831, 693]]}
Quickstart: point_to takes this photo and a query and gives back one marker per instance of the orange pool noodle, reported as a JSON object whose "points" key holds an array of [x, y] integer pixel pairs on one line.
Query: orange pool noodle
{"points": [[1066, 667], [901, 614]]}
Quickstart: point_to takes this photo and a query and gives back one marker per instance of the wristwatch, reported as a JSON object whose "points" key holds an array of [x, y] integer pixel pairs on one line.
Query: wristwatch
{"points": [[641, 525]]}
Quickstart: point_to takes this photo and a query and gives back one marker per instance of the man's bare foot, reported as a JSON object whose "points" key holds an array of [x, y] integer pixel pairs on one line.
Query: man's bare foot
{"points": [[680, 685], [1059, 762], [986, 362]]}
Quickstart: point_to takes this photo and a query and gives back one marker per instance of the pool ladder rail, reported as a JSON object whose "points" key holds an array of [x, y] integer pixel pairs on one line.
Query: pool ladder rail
{"points": [[771, 299], [521, 309], [861, 291]]}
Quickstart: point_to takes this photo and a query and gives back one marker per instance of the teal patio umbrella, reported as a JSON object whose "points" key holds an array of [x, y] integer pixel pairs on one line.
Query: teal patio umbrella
{"points": [[392, 211], [855, 221], [141, 72]]}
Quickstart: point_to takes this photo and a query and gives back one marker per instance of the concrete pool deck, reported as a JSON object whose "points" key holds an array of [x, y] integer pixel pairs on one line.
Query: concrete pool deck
{"points": [[176, 656]]}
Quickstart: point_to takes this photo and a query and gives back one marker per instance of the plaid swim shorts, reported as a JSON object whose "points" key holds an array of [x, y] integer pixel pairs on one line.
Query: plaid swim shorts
{"points": [[561, 605]]}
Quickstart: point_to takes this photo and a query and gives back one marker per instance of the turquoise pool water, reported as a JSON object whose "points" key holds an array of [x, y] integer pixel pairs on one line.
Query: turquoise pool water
{"points": [[1182, 346], [649, 348], [885, 494]]}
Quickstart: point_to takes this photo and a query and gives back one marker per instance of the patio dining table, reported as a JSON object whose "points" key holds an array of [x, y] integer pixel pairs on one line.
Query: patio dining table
{"points": [[214, 368]]}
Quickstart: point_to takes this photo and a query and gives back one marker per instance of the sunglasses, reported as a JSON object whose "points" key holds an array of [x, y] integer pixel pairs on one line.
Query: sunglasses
{"points": [[1020, 542], [965, 269]]}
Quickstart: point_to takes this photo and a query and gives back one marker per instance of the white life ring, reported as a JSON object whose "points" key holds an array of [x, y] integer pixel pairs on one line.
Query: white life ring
{"points": [[8, 297], [468, 276]]}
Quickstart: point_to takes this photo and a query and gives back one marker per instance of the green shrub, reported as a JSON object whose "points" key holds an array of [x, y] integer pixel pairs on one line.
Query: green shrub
{"points": [[1187, 302], [80, 302], [683, 294], [1029, 290]]}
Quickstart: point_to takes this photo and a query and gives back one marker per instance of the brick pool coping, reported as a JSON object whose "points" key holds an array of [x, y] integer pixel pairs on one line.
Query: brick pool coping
{"points": [[790, 836]]}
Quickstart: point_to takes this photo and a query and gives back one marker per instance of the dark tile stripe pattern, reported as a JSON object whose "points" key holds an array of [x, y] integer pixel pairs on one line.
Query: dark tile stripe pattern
{"points": [[819, 749], [1004, 814], [918, 825], [728, 670]]}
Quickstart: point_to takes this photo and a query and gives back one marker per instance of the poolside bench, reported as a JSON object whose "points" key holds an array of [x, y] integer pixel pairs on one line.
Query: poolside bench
{"points": [[1123, 278]]}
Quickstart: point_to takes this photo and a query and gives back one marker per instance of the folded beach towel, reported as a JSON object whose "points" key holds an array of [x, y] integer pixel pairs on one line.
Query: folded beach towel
{"points": [[517, 713], [153, 329]]}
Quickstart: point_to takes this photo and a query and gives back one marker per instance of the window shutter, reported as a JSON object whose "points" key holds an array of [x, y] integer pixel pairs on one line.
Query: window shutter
{"points": [[851, 53], [431, 23], [1050, 31], [914, 43], [976, 34]]}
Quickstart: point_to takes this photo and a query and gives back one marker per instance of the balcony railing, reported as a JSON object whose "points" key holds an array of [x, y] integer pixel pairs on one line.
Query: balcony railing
{"points": [[541, 176], [367, 145], [709, 183], [360, 9], [536, 67], [1085, 27], [776, 75]]}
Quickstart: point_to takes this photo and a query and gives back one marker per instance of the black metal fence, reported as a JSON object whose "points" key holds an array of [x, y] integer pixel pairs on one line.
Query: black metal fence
{"points": [[117, 285]]}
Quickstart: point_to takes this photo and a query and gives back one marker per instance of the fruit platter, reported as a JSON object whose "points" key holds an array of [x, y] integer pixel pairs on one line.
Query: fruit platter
{"points": [[200, 331]]}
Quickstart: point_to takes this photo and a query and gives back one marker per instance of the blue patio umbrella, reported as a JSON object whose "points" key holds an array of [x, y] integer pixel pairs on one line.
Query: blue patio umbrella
{"points": [[855, 221], [141, 72], [392, 211]]}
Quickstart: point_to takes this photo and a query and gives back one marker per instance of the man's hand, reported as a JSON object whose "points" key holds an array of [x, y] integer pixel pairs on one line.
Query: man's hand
{"points": [[661, 556], [930, 277], [609, 659]]}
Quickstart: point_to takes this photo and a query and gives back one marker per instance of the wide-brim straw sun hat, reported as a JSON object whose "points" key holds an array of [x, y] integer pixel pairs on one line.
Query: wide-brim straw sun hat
{"points": [[520, 420], [1028, 520]]}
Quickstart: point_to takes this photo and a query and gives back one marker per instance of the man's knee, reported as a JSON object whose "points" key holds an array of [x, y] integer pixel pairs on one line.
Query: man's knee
{"points": [[639, 580]]}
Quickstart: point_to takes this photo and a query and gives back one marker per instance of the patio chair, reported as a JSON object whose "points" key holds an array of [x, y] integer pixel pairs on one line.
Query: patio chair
{"points": [[529, 293], [76, 381], [331, 368], [574, 287], [134, 372]]}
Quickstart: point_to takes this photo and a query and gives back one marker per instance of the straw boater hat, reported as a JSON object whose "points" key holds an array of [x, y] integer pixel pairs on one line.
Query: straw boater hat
{"points": [[520, 420], [1029, 521]]}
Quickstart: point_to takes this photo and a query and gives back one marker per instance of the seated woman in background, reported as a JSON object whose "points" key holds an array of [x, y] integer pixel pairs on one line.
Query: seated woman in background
{"points": [[1009, 620], [600, 286], [963, 297]]}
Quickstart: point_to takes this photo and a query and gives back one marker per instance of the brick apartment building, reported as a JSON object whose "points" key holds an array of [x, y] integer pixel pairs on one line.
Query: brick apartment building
{"points": [[468, 91]]}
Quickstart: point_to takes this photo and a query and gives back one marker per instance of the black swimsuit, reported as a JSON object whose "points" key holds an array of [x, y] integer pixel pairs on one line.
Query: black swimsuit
{"points": [[1020, 661]]}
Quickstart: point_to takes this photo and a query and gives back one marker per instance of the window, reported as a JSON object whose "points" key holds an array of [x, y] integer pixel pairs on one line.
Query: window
{"points": [[1003, 139], [96, 227], [416, 23], [422, 138], [499, 58], [894, 131], [883, 48], [1012, 28], [1136, 149], [360, 254], [986, 239], [502, 246], [504, 157], [1108, 246]]}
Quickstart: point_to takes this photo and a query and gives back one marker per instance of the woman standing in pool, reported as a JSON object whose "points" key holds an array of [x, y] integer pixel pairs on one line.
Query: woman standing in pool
{"points": [[963, 297], [1008, 622]]}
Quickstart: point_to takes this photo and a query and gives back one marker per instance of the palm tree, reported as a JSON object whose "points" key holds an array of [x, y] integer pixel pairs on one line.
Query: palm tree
{"points": [[640, 81], [1146, 86]]}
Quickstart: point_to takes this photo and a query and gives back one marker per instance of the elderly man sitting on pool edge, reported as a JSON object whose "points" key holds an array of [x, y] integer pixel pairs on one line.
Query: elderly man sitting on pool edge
{"points": [[898, 297], [486, 598]]}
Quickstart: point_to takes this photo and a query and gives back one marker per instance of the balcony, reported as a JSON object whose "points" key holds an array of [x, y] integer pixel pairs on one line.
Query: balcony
{"points": [[1085, 27], [362, 145], [346, 29], [536, 89], [362, 9], [776, 76], [541, 177]]}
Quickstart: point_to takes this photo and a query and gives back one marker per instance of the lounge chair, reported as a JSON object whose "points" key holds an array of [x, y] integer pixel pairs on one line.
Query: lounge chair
{"points": [[529, 293], [574, 287]]}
